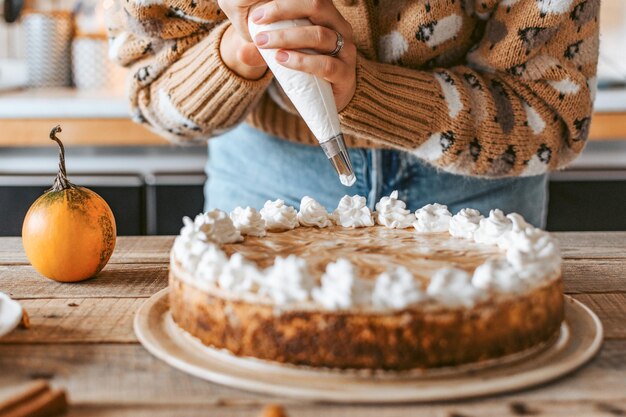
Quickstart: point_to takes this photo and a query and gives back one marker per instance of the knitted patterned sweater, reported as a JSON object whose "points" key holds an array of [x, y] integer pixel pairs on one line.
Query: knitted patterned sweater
{"points": [[478, 87]]}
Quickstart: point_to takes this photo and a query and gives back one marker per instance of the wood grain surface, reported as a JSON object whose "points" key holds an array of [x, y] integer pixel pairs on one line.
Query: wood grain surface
{"points": [[81, 339], [79, 132]]}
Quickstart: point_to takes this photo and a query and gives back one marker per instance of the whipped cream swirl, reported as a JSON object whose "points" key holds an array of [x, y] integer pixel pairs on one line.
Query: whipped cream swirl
{"points": [[211, 264], [518, 224], [288, 280], [238, 275], [392, 213], [313, 214], [248, 221], [396, 289], [497, 275], [217, 227], [188, 250], [340, 287], [353, 212], [278, 216], [453, 288], [533, 253], [432, 218], [465, 223], [492, 228], [197, 236]]}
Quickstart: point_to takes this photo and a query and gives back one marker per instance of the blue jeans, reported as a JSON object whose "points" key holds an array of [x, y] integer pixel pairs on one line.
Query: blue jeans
{"points": [[246, 167]]}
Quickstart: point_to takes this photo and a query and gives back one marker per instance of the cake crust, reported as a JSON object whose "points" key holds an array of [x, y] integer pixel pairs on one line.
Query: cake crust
{"points": [[412, 338]]}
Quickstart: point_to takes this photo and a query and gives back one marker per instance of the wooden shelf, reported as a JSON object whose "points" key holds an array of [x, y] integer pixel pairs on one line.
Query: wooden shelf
{"points": [[124, 132], [608, 126], [77, 132]]}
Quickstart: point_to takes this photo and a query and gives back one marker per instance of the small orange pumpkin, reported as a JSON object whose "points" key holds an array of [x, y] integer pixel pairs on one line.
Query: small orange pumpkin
{"points": [[69, 232]]}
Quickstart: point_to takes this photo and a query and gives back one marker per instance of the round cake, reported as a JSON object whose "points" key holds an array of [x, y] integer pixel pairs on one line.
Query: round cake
{"points": [[356, 289]]}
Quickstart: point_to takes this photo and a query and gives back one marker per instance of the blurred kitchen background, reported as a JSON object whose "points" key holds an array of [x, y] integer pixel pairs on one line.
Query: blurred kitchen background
{"points": [[54, 70]]}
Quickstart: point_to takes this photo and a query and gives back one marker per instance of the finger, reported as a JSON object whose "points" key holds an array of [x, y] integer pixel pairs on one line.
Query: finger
{"points": [[237, 12], [317, 38], [249, 55], [242, 23], [332, 69], [319, 12]]}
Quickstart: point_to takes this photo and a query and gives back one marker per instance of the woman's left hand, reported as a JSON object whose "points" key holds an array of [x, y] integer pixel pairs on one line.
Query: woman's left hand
{"points": [[339, 70]]}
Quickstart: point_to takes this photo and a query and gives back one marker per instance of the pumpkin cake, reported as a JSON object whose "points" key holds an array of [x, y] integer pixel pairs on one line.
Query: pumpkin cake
{"points": [[355, 289]]}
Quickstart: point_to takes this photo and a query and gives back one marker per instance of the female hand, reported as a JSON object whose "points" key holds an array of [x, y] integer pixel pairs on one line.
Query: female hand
{"points": [[321, 37]]}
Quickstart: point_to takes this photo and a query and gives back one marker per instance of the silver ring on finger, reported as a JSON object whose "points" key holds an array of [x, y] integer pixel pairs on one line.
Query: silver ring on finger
{"points": [[339, 45]]}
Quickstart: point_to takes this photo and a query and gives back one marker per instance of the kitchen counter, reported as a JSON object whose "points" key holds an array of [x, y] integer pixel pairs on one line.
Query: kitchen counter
{"points": [[88, 118], [100, 118], [59, 103], [82, 340]]}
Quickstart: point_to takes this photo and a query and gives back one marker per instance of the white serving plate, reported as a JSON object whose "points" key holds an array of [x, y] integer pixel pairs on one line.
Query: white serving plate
{"points": [[578, 341], [10, 314]]}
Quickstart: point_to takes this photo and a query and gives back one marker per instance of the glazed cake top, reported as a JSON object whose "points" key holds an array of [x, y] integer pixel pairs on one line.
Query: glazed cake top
{"points": [[372, 250]]}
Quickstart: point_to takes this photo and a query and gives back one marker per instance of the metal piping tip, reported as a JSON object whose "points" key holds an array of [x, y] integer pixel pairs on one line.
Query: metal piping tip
{"points": [[337, 153]]}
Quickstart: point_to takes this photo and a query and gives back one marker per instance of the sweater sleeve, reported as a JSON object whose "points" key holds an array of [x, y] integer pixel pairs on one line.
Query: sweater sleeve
{"points": [[178, 84], [520, 104]]}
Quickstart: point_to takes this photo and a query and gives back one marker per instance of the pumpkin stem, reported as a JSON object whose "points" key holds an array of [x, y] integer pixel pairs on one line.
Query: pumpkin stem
{"points": [[60, 182]]}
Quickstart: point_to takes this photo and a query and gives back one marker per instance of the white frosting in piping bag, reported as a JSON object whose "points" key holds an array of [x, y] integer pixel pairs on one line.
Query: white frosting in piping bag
{"points": [[313, 213], [311, 96], [392, 213], [278, 216], [248, 221], [432, 218], [353, 212]]}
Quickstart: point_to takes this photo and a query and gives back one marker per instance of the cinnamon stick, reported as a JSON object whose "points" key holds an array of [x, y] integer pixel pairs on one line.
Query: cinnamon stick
{"points": [[36, 400], [32, 390]]}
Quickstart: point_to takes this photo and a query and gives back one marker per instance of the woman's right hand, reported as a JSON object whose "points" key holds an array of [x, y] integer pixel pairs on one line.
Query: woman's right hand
{"points": [[237, 49], [237, 12], [241, 56]]}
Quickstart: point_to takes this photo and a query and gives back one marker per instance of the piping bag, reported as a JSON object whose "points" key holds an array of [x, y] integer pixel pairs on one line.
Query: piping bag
{"points": [[314, 100]]}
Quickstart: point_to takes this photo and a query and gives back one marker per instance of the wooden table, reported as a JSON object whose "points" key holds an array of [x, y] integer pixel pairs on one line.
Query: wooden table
{"points": [[82, 339]]}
